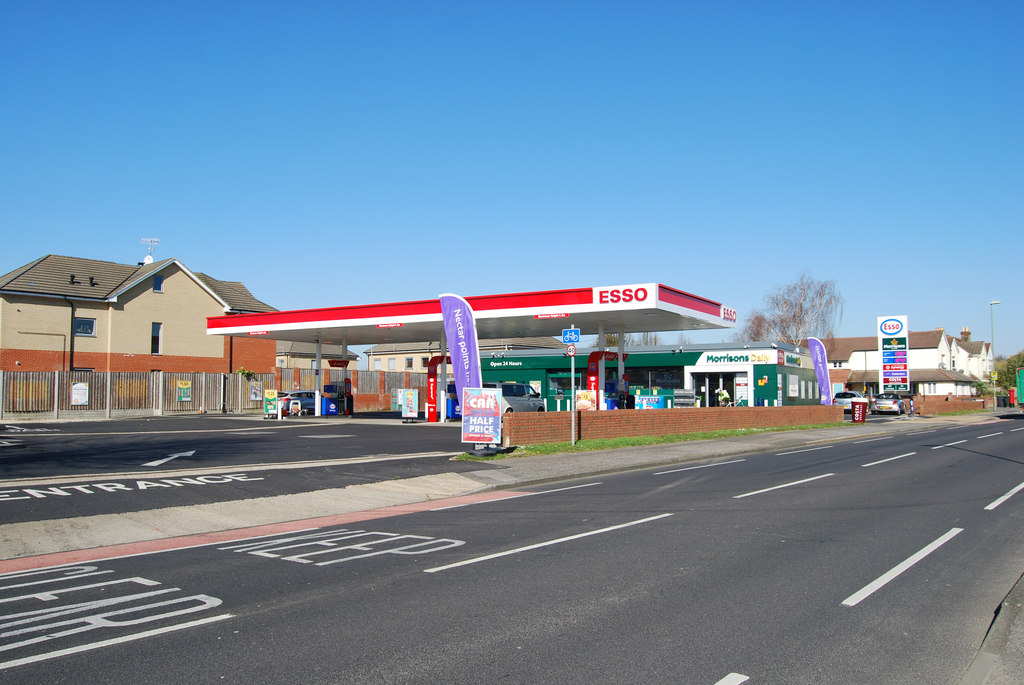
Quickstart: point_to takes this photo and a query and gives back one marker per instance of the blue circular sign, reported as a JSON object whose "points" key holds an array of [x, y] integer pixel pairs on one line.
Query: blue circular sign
{"points": [[891, 327]]}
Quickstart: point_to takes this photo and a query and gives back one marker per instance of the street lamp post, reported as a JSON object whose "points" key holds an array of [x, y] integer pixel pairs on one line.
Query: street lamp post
{"points": [[992, 346]]}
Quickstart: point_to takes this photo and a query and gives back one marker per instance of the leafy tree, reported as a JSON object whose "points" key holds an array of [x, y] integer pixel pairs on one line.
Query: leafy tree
{"points": [[795, 311], [1007, 370]]}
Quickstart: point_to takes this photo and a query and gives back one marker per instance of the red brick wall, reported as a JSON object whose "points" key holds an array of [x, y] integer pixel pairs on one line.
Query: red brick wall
{"points": [[937, 404], [540, 427]]}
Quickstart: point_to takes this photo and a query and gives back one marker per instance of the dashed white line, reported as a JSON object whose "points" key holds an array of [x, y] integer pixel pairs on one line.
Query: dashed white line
{"points": [[1005, 497], [785, 485], [861, 442], [703, 466], [990, 435], [809, 449], [949, 444], [543, 544], [890, 575], [733, 679], [1014, 430], [923, 432], [525, 494], [882, 461]]}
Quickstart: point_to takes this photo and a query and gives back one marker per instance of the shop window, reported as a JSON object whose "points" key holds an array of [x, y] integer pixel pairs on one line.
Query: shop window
{"points": [[85, 327], [156, 338]]}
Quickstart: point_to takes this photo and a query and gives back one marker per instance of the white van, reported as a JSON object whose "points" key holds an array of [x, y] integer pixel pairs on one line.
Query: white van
{"points": [[518, 397]]}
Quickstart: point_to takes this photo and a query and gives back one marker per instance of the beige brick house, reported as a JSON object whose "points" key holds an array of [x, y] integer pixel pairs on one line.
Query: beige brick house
{"points": [[68, 313]]}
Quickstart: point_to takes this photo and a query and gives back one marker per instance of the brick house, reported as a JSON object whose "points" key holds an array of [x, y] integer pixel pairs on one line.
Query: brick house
{"points": [[67, 313]]}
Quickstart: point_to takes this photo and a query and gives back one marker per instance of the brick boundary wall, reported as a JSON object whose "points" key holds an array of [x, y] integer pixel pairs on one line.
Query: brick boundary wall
{"points": [[541, 427], [930, 406]]}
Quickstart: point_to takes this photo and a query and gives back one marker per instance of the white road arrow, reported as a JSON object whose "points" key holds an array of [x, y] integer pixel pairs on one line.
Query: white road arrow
{"points": [[158, 462]]}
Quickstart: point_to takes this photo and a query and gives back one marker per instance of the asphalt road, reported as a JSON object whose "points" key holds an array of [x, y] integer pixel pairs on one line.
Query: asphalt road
{"points": [[874, 561]]}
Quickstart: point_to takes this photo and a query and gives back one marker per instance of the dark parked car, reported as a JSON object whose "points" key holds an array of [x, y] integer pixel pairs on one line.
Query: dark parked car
{"points": [[888, 402], [306, 398]]}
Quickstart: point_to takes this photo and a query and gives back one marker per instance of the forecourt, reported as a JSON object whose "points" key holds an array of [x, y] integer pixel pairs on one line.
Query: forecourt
{"points": [[633, 308]]}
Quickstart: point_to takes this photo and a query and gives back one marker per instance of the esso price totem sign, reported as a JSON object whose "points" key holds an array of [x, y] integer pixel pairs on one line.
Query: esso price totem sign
{"points": [[893, 325]]}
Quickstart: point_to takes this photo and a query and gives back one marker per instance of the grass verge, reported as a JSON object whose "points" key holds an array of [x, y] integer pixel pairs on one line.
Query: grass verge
{"points": [[634, 441]]}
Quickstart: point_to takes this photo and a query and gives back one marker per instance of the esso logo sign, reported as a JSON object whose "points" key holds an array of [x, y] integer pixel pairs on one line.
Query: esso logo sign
{"points": [[729, 314], [616, 295], [891, 326]]}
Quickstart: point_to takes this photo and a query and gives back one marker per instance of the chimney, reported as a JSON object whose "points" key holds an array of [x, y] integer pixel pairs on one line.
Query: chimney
{"points": [[965, 334]]}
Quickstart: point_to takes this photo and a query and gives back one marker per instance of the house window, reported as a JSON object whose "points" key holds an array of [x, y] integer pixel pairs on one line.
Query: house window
{"points": [[408, 362], [391, 364], [156, 338], [376, 365], [158, 284], [85, 327], [424, 362]]}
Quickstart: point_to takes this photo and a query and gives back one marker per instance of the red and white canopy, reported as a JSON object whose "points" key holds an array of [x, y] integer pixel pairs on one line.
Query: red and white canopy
{"points": [[636, 308]]}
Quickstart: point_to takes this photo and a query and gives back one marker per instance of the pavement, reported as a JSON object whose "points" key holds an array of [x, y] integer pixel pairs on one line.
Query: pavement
{"points": [[1000, 660]]}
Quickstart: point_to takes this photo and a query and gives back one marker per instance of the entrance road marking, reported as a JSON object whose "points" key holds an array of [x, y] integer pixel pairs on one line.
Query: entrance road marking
{"points": [[113, 641], [949, 444], [522, 494], [704, 466], [882, 461], [809, 449], [733, 679], [1005, 497], [506, 553], [990, 435], [785, 485], [158, 462], [883, 579]]}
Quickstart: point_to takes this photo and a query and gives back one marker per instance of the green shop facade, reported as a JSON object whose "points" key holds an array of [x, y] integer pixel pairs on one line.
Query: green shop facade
{"points": [[753, 374]]}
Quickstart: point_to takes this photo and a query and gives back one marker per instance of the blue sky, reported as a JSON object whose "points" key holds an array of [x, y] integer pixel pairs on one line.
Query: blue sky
{"points": [[336, 153]]}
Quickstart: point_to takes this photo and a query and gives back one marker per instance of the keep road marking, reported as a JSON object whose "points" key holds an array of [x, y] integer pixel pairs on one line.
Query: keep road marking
{"points": [[890, 575], [544, 544]]}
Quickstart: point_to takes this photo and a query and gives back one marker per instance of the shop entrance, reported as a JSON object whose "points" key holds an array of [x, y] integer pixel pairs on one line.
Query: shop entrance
{"points": [[706, 385]]}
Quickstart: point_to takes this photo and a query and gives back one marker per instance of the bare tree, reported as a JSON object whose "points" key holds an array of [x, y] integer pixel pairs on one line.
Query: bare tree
{"points": [[794, 311], [631, 339]]}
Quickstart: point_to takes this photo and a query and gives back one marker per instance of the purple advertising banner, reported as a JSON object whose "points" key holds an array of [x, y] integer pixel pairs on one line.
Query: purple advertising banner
{"points": [[460, 331], [817, 350]]}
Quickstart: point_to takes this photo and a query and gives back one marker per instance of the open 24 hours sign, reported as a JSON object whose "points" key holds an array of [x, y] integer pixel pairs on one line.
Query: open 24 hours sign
{"points": [[481, 415]]}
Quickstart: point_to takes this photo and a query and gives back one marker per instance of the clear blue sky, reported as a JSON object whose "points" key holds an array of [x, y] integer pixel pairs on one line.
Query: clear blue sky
{"points": [[335, 153]]}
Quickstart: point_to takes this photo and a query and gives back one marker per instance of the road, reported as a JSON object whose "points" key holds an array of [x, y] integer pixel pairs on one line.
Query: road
{"points": [[876, 561]]}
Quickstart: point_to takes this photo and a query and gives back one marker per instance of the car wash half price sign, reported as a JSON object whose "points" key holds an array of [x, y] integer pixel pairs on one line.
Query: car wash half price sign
{"points": [[893, 343]]}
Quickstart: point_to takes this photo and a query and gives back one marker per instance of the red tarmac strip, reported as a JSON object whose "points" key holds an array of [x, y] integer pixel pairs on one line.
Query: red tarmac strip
{"points": [[131, 549]]}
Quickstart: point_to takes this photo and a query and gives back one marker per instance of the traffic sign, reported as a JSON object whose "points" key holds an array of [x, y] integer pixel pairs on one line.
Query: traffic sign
{"points": [[571, 350], [570, 335]]}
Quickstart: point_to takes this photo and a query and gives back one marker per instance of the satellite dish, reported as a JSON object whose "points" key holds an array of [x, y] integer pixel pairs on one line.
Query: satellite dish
{"points": [[148, 259]]}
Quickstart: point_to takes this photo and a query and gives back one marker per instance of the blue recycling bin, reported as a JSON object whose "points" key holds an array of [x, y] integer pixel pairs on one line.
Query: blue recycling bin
{"points": [[328, 406]]}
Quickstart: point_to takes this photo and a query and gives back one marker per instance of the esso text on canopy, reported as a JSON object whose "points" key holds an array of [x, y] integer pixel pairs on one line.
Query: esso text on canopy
{"points": [[617, 294]]}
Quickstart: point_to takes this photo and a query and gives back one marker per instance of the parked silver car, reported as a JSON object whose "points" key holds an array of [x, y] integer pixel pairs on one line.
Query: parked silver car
{"points": [[518, 397], [888, 402], [845, 397]]}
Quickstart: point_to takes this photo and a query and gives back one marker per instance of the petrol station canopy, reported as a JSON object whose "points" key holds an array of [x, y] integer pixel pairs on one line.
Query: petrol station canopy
{"points": [[636, 308]]}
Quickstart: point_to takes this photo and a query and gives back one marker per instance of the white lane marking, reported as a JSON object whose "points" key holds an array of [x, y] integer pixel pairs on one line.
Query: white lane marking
{"points": [[785, 485], [703, 466], [1005, 497], [733, 679], [861, 442], [882, 461], [888, 576], [949, 444], [923, 432], [809, 449], [321, 437], [158, 462], [113, 641], [990, 435], [1014, 430], [544, 544], [505, 499]]}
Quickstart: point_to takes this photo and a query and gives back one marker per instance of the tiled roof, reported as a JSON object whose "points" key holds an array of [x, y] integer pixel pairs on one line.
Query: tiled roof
{"points": [[92, 279]]}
